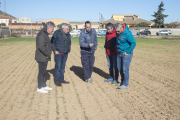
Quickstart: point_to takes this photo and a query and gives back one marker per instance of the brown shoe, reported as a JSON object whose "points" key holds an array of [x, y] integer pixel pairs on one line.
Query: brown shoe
{"points": [[64, 82], [58, 84]]}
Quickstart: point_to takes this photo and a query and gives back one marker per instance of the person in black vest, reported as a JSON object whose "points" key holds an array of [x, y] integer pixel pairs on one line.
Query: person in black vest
{"points": [[43, 55], [61, 44]]}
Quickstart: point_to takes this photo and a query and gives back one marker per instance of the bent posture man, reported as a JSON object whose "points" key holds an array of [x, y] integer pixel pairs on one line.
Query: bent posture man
{"points": [[43, 55], [88, 45], [61, 44], [125, 45]]}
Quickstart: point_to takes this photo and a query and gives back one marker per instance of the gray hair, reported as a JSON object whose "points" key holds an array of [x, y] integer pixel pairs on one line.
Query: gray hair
{"points": [[117, 25], [64, 25], [109, 25], [50, 24]]}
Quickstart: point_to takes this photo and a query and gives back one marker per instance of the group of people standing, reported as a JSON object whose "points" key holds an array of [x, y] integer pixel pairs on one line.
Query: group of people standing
{"points": [[119, 45]]}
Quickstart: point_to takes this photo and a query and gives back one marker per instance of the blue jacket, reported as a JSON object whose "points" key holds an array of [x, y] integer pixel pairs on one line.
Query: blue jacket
{"points": [[125, 42], [59, 44], [85, 39]]}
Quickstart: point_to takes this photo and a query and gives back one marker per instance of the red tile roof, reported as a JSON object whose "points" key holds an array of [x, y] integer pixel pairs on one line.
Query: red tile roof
{"points": [[4, 17]]}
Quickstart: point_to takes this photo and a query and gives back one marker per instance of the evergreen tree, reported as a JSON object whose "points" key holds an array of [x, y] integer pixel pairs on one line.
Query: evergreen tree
{"points": [[142, 24], [159, 17]]}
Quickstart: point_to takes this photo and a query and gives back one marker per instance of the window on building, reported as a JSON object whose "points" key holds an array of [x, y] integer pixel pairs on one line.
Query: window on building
{"points": [[22, 19], [128, 16], [27, 20]]}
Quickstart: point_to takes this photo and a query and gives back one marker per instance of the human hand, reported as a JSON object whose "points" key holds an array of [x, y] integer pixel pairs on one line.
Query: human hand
{"points": [[125, 53], [56, 52], [90, 45]]}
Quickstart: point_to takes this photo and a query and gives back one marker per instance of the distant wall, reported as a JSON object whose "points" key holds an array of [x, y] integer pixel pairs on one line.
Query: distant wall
{"points": [[173, 31], [5, 32]]}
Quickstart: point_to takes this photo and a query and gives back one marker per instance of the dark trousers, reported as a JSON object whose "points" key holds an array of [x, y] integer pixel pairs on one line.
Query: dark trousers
{"points": [[112, 64], [60, 63], [87, 60], [41, 75]]}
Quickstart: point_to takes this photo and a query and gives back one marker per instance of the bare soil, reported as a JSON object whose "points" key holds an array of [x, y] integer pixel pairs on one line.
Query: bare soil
{"points": [[153, 94]]}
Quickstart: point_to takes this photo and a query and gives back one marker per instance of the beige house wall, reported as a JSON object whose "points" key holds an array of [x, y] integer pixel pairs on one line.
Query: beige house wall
{"points": [[118, 17], [121, 17]]}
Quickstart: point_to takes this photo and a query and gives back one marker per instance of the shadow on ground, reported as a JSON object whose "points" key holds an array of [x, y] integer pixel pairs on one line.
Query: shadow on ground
{"points": [[79, 72]]}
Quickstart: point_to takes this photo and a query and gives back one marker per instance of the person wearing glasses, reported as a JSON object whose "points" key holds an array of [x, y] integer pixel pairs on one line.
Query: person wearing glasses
{"points": [[111, 53], [125, 45]]}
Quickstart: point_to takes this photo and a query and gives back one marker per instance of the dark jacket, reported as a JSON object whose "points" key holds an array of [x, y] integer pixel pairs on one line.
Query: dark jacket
{"points": [[43, 46], [85, 39], [59, 44], [110, 43]]}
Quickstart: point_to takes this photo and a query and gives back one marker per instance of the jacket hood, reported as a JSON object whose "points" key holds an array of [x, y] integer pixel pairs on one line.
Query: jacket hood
{"points": [[126, 30], [44, 27]]}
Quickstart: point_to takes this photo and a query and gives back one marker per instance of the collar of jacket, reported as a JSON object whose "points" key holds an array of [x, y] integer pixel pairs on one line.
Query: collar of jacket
{"points": [[45, 29], [87, 31], [112, 32]]}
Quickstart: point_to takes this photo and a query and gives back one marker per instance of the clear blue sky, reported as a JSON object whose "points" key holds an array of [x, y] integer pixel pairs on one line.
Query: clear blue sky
{"points": [[82, 10]]}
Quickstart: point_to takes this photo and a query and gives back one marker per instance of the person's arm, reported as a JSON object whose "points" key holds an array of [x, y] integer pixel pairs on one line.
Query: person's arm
{"points": [[132, 42], [70, 44], [82, 41], [117, 43], [95, 40], [53, 42], [105, 43], [42, 45]]}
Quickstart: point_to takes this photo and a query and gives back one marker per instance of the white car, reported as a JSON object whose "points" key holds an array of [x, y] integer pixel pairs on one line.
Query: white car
{"points": [[74, 33], [164, 32]]}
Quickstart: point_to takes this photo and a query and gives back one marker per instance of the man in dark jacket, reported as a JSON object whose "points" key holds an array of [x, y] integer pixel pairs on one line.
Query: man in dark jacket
{"points": [[43, 55], [61, 44], [88, 45]]}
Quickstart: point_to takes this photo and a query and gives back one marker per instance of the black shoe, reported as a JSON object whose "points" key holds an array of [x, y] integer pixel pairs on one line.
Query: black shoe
{"points": [[64, 82], [58, 84]]}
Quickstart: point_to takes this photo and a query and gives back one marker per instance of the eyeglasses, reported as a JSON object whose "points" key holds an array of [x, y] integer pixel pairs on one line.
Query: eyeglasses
{"points": [[118, 31]]}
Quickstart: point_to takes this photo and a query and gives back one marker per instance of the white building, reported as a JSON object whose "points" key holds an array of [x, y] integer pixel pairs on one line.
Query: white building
{"points": [[4, 19], [24, 20]]}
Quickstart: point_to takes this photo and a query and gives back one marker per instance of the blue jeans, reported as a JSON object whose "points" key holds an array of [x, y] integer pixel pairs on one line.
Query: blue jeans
{"points": [[60, 62], [112, 63], [123, 64]]}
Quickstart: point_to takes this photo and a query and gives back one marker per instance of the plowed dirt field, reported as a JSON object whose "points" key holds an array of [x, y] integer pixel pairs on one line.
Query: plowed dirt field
{"points": [[154, 89]]}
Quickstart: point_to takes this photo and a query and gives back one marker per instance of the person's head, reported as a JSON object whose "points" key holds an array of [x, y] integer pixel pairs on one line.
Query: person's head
{"points": [[109, 27], [88, 26], [50, 27], [118, 27], [65, 28]]}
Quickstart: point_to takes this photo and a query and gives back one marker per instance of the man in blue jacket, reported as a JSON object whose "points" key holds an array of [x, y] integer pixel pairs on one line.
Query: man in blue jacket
{"points": [[61, 44], [125, 45], [88, 45]]}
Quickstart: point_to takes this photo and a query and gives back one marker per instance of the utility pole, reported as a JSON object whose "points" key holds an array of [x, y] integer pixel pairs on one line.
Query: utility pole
{"points": [[177, 23], [172, 23], [99, 20], [5, 6], [31, 25]]}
